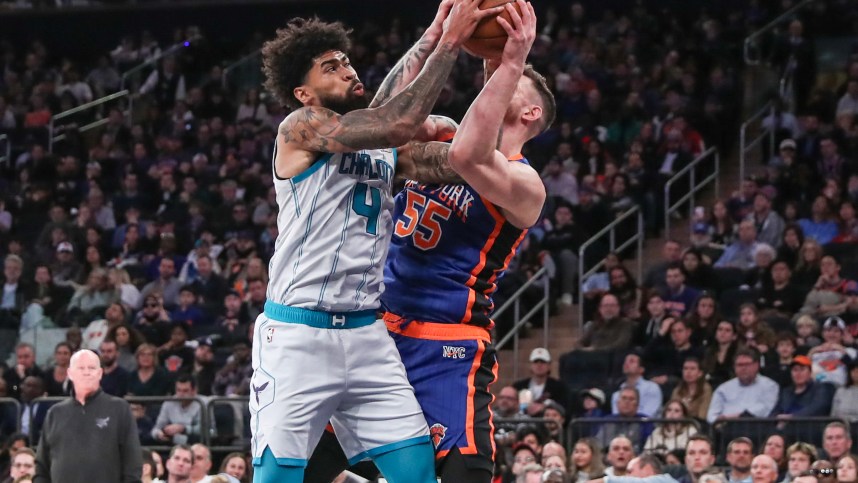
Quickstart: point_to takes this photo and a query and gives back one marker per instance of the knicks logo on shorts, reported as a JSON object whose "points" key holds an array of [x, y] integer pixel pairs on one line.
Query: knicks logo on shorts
{"points": [[437, 432], [453, 352]]}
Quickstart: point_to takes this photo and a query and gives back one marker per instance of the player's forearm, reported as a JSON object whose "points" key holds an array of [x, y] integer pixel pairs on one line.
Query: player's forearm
{"points": [[476, 138], [406, 70], [405, 112], [431, 165]]}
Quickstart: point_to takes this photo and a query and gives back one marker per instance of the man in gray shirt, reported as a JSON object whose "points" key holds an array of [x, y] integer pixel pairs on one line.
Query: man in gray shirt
{"points": [[90, 437]]}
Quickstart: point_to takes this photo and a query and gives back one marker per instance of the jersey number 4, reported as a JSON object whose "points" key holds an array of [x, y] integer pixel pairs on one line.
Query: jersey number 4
{"points": [[421, 220], [369, 210]]}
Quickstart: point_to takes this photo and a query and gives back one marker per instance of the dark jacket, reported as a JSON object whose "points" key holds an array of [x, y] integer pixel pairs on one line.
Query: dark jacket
{"points": [[555, 389], [814, 401], [93, 443]]}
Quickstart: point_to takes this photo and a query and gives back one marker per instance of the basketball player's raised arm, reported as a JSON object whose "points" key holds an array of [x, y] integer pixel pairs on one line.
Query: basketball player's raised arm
{"points": [[395, 122], [513, 186], [407, 68]]}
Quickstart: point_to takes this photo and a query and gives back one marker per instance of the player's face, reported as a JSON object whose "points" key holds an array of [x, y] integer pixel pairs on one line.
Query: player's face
{"points": [[335, 84]]}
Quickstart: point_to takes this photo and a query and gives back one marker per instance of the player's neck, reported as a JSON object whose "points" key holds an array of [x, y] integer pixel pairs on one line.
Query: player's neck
{"points": [[512, 141]]}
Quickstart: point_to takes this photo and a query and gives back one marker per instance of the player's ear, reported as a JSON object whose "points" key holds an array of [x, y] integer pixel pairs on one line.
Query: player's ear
{"points": [[532, 114], [302, 94]]}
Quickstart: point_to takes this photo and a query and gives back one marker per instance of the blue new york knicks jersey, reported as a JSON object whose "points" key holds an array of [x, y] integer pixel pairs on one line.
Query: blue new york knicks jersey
{"points": [[448, 250]]}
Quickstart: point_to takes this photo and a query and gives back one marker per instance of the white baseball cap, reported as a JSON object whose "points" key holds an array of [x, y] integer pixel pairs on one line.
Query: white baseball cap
{"points": [[540, 354]]}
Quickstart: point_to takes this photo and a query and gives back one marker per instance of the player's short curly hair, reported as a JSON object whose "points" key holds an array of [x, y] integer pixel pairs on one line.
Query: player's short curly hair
{"points": [[288, 57]]}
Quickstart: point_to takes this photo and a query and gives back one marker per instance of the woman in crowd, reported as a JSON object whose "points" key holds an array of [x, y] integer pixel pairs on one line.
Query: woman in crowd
{"points": [[670, 436], [586, 462], [90, 300], [693, 390], [718, 360], [722, 231], [753, 332], [235, 465], [775, 447], [129, 294], [698, 273], [703, 320], [56, 380], [127, 340], [847, 469], [149, 379], [791, 244], [807, 270], [845, 402]]}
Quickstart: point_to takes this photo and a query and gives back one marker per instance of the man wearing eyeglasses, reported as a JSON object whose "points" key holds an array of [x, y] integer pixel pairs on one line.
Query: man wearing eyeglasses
{"points": [[23, 464]]}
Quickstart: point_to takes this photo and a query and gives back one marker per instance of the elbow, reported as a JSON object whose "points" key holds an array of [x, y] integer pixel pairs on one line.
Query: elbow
{"points": [[459, 155]]}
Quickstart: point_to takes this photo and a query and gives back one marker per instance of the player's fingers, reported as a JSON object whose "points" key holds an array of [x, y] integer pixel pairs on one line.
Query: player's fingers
{"points": [[510, 31], [489, 12], [514, 16], [528, 12]]}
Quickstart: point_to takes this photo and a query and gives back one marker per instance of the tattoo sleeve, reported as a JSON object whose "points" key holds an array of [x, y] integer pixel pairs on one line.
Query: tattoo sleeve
{"points": [[392, 124], [431, 165], [404, 71]]}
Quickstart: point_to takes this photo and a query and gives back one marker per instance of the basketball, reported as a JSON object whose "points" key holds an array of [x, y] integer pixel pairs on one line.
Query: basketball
{"points": [[489, 37]]}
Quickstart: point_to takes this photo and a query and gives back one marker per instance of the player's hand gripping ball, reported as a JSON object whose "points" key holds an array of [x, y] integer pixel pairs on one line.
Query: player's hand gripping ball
{"points": [[489, 37]]}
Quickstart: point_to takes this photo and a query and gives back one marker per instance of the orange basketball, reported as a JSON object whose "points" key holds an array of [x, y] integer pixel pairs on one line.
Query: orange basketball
{"points": [[489, 37]]}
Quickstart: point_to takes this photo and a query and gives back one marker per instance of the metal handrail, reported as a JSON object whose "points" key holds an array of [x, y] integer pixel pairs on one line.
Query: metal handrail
{"points": [[694, 186], [749, 40], [54, 138], [154, 60], [610, 230], [17, 404], [6, 158], [745, 146], [787, 83], [501, 424], [515, 302]]}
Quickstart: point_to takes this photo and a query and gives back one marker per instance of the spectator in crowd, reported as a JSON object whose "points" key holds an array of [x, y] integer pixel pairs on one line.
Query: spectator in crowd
{"points": [[678, 297], [202, 463], [541, 385], [624, 287], [56, 379], [235, 465], [845, 402], [819, 226], [556, 424], [650, 325], [14, 299], [562, 242], [114, 380], [560, 184], [807, 269], [97, 330], [586, 461], [779, 369], [836, 441], [718, 359], [175, 355], [664, 356], [23, 463], [592, 400], [47, 300], [846, 468], [768, 222], [740, 254], [671, 253], [25, 366], [620, 421], [188, 311], [90, 437], [620, 453], [152, 320], [671, 436], [848, 104], [799, 457], [33, 412], [740, 451], [234, 378], [792, 240], [609, 330], [693, 390], [804, 397], [699, 457], [210, 287], [748, 394], [775, 447], [179, 464], [828, 357], [204, 371], [150, 379], [828, 297], [180, 421], [167, 285], [741, 203], [756, 333], [764, 469], [649, 394], [780, 299], [506, 403], [644, 468], [824, 470], [127, 340]]}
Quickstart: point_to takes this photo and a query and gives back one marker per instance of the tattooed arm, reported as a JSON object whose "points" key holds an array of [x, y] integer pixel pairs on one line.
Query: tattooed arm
{"points": [[426, 163], [316, 129], [409, 65]]}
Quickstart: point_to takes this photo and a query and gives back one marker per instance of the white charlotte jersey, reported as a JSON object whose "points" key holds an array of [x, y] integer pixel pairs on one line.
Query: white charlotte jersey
{"points": [[335, 224]]}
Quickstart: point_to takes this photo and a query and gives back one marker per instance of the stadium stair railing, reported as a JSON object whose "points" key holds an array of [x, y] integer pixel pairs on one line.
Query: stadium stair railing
{"points": [[694, 185], [54, 134], [514, 301], [747, 141], [752, 49]]}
